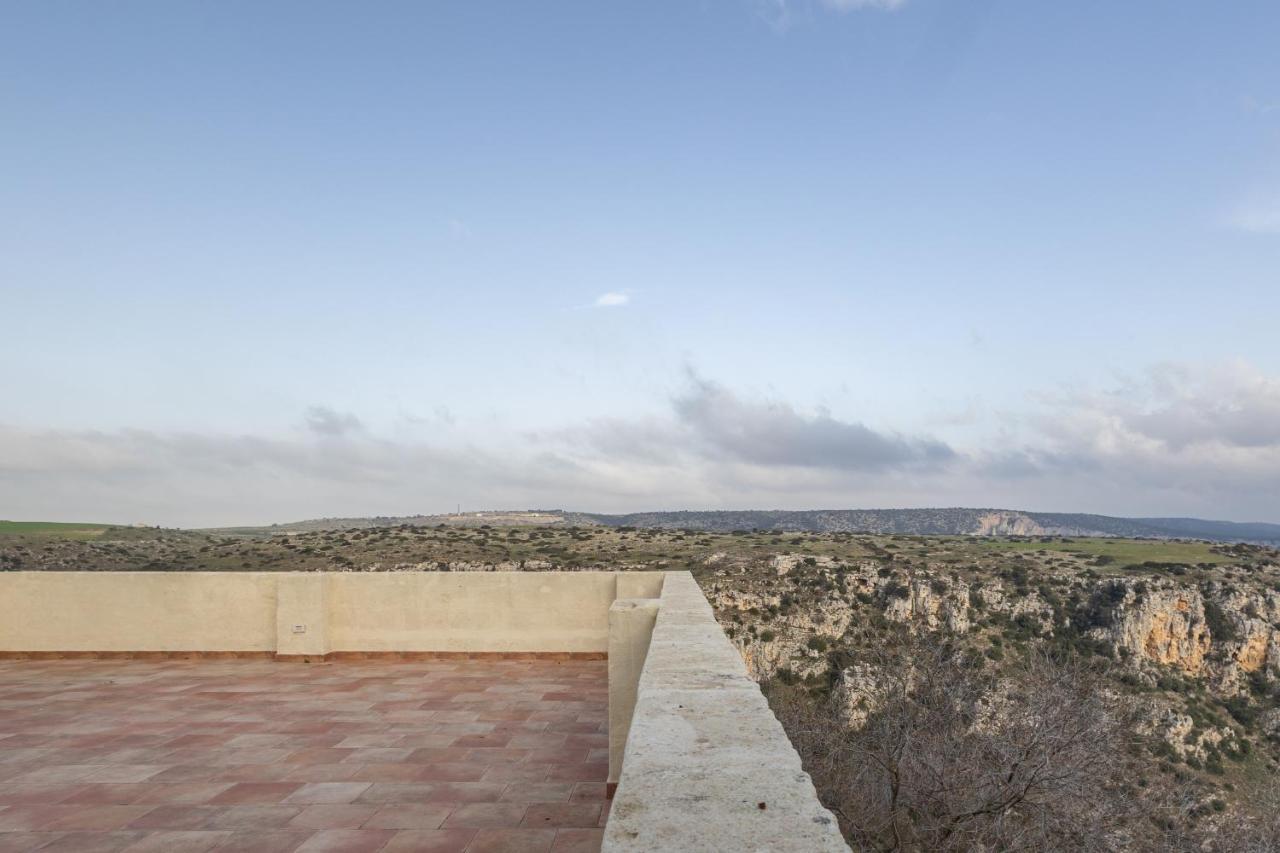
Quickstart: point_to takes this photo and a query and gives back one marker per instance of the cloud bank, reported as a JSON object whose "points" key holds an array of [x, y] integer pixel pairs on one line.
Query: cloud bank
{"points": [[775, 434], [1177, 439]]}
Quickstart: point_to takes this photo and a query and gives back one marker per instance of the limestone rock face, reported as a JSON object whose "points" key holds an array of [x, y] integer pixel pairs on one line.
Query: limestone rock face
{"points": [[741, 600], [1223, 632], [936, 604], [1004, 523], [1179, 731], [861, 692], [996, 599], [1165, 626], [1270, 722], [1256, 618], [784, 564], [783, 640]]}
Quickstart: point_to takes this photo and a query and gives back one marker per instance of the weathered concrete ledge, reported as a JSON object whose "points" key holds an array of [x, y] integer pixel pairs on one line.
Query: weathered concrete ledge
{"points": [[707, 766]]}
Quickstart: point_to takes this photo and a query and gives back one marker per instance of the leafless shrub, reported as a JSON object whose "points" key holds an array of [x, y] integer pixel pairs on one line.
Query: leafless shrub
{"points": [[956, 756], [1256, 827]]}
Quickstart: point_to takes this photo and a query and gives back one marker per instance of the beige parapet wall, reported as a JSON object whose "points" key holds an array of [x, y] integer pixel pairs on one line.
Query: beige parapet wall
{"points": [[472, 611], [306, 614], [137, 611], [707, 767]]}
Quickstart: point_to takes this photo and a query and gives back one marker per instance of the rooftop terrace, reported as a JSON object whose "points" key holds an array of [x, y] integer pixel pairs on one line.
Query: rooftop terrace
{"points": [[176, 711], [475, 755]]}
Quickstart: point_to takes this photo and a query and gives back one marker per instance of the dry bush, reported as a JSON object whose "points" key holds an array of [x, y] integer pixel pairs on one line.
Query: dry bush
{"points": [[1256, 827], [957, 757]]}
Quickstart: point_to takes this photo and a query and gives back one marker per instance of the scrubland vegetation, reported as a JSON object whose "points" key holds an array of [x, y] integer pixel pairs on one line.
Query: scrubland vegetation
{"points": [[946, 692]]}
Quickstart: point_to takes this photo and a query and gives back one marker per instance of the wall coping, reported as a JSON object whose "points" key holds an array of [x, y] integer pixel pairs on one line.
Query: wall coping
{"points": [[707, 765]]}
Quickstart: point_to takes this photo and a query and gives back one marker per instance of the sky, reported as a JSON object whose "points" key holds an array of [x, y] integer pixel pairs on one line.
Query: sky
{"points": [[269, 261]]}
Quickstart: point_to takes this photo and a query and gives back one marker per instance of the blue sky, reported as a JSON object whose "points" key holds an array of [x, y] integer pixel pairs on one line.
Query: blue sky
{"points": [[265, 261]]}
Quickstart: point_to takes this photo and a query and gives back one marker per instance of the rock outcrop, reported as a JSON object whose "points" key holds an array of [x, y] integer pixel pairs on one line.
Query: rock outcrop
{"points": [[1164, 626]]}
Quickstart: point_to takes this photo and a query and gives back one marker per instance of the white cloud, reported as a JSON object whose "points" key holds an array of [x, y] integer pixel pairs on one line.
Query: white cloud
{"points": [[1259, 214], [612, 299], [325, 421], [774, 433], [779, 15], [1205, 437], [856, 5], [1258, 106]]}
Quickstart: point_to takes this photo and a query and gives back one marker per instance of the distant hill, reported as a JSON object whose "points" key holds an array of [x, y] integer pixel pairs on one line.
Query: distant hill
{"points": [[949, 521], [954, 521], [522, 518]]}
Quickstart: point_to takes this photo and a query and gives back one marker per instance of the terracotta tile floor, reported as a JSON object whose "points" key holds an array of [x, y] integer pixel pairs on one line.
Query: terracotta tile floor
{"points": [[246, 755]]}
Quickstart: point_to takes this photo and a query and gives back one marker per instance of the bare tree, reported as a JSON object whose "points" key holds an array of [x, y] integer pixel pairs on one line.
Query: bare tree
{"points": [[957, 756], [1257, 828]]}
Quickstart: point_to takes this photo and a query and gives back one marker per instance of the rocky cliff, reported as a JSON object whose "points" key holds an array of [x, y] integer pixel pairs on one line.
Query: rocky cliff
{"points": [[1196, 651]]}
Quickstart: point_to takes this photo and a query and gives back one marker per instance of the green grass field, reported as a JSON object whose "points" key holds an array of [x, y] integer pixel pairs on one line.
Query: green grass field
{"points": [[57, 529], [1122, 551]]}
